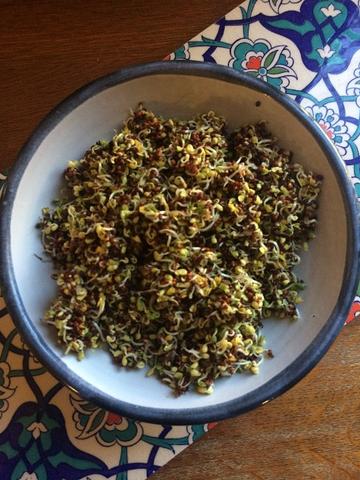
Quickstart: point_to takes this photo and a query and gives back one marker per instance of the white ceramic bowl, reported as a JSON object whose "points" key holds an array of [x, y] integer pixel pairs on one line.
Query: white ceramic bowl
{"points": [[179, 89]]}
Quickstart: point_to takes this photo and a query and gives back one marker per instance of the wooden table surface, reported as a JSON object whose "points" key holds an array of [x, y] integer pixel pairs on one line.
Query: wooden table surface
{"points": [[51, 47]]}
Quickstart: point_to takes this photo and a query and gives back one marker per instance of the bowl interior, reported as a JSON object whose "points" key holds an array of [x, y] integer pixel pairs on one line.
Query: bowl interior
{"points": [[179, 96]]}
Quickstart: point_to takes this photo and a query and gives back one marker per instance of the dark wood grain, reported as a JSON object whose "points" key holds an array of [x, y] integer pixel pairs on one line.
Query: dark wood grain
{"points": [[48, 49]]}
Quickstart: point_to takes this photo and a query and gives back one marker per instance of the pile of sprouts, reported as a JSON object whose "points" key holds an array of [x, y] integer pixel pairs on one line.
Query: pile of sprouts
{"points": [[174, 241]]}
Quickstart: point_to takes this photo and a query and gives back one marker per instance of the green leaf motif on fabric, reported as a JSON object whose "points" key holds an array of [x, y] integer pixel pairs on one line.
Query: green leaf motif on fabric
{"points": [[259, 59], [64, 458], [108, 428]]}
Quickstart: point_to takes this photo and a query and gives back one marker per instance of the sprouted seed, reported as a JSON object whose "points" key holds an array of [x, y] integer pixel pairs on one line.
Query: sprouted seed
{"points": [[174, 241]]}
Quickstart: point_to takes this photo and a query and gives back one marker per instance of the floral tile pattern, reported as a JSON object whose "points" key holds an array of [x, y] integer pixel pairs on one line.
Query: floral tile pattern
{"points": [[310, 49]]}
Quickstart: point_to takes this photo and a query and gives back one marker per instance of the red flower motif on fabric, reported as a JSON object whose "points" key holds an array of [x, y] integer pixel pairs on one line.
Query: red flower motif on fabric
{"points": [[327, 130], [113, 419], [354, 312], [253, 63]]}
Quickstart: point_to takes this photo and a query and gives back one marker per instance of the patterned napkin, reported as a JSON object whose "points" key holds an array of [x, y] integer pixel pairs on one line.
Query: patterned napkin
{"points": [[310, 50]]}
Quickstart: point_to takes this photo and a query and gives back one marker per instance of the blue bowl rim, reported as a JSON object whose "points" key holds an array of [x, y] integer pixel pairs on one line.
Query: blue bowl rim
{"points": [[266, 392]]}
